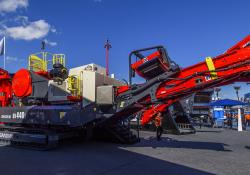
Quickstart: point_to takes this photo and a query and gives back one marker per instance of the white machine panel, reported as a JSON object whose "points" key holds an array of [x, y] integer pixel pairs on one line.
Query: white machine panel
{"points": [[91, 78], [90, 67]]}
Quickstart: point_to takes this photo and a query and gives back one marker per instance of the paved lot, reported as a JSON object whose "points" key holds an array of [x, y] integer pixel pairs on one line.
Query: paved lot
{"points": [[215, 151]]}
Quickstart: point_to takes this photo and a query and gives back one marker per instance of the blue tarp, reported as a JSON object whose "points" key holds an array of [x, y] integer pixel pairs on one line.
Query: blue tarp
{"points": [[226, 102]]}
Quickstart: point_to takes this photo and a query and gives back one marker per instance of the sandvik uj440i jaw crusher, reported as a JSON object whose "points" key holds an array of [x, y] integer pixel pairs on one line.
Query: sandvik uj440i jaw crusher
{"points": [[42, 105]]}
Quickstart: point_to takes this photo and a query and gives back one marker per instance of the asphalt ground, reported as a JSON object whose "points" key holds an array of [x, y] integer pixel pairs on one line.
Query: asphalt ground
{"points": [[209, 151]]}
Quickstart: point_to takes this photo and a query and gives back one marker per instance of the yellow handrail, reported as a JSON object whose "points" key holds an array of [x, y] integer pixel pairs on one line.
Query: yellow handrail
{"points": [[40, 61], [74, 85], [37, 62], [58, 58]]}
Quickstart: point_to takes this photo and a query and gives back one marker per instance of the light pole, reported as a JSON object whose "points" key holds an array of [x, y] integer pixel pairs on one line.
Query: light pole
{"points": [[237, 88], [217, 90]]}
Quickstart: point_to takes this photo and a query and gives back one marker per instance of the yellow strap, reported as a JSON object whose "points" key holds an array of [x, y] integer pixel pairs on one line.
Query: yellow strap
{"points": [[211, 68]]}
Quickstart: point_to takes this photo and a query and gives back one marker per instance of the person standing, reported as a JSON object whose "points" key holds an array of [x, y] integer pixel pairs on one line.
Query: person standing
{"points": [[211, 118], [247, 118], [201, 120], [230, 120], [158, 124]]}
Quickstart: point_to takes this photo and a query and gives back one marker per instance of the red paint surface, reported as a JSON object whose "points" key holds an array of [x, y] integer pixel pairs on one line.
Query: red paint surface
{"points": [[22, 83]]}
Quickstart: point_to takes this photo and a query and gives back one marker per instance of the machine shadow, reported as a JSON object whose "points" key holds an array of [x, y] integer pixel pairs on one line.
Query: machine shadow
{"points": [[173, 143], [211, 131], [89, 158]]}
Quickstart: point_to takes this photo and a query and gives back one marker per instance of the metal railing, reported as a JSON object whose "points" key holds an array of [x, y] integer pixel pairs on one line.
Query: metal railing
{"points": [[58, 58], [38, 61], [42, 61]]}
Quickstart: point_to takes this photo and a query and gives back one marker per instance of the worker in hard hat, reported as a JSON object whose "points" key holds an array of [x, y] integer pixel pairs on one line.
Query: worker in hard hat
{"points": [[158, 124]]}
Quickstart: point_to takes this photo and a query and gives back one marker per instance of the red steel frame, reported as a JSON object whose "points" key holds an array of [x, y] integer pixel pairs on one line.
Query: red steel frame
{"points": [[155, 55]]}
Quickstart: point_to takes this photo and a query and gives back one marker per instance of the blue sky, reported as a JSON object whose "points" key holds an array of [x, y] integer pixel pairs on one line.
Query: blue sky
{"points": [[189, 29]]}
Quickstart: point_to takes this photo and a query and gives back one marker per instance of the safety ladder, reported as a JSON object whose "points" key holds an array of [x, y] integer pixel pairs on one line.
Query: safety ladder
{"points": [[74, 85], [38, 62]]}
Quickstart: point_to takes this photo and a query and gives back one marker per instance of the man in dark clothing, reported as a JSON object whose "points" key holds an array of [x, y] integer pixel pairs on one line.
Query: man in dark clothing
{"points": [[158, 124], [230, 121], [201, 120]]}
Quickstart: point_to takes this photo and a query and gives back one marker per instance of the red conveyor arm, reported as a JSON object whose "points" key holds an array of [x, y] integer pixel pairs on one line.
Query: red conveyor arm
{"points": [[232, 66]]}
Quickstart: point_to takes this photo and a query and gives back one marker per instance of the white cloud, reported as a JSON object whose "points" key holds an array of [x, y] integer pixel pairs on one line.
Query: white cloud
{"points": [[19, 27], [23, 20], [53, 30], [32, 30], [12, 5], [11, 59], [50, 43]]}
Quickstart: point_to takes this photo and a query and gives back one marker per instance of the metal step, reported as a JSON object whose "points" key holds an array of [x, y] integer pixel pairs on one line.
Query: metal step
{"points": [[115, 133], [185, 128], [124, 134]]}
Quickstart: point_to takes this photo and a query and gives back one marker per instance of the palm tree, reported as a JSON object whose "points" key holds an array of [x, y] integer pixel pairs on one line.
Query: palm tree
{"points": [[237, 88]]}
